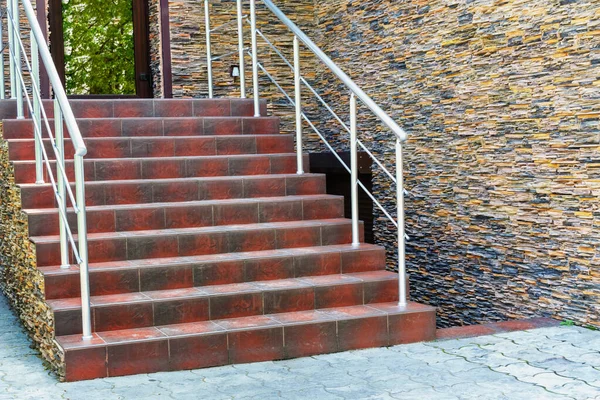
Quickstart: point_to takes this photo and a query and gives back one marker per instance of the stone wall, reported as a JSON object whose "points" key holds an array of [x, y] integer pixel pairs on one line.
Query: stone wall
{"points": [[24, 26], [156, 62], [188, 50], [501, 101], [20, 280]]}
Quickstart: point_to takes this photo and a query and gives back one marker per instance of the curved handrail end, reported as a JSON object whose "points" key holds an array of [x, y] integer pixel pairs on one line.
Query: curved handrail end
{"points": [[81, 151]]}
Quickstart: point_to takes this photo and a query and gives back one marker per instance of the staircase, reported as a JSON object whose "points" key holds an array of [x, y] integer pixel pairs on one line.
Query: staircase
{"points": [[205, 246]]}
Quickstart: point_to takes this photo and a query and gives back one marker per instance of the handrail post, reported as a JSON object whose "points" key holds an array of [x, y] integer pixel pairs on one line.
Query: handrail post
{"points": [[254, 58], [354, 171], [37, 115], [208, 49], [11, 37], [401, 234], [83, 248], [62, 186], [2, 79], [17, 61], [57, 87], [240, 23], [298, 89]]}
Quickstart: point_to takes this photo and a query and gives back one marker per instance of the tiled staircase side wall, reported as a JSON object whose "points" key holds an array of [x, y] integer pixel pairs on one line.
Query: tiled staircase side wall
{"points": [[20, 280], [188, 51], [502, 164]]}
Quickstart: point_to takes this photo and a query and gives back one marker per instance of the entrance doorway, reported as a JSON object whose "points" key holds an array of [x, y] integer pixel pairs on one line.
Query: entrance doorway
{"points": [[101, 47]]}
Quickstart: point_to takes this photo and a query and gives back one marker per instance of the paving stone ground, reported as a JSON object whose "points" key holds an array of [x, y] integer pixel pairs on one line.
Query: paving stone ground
{"points": [[546, 363]]}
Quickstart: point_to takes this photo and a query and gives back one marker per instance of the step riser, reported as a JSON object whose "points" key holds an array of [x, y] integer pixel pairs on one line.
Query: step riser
{"points": [[203, 308], [107, 193], [24, 150], [134, 127], [178, 276], [184, 216], [217, 242], [106, 170], [263, 343], [112, 108]]}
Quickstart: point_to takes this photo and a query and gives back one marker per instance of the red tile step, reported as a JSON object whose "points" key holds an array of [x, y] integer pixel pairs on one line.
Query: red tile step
{"points": [[176, 306], [136, 127], [180, 190], [168, 167], [136, 245], [109, 108], [247, 339], [186, 272], [160, 146], [135, 217]]}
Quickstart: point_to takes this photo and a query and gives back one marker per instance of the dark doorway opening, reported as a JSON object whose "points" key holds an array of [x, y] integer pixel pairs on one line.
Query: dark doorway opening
{"points": [[100, 47], [338, 183]]}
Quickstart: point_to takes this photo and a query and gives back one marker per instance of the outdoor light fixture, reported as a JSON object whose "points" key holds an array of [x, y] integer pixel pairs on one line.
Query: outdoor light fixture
{"points": [[234, 71]]}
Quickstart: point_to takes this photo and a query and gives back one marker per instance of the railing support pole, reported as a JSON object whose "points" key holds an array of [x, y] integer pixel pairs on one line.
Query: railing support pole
{"points": [[298, 100], [2, 79], [17, 61], [208, 48], [240, 24], [62, 186], [83, 248], [37, 114], [354, 171], [254, 58], [11, 37], [401, 234]]}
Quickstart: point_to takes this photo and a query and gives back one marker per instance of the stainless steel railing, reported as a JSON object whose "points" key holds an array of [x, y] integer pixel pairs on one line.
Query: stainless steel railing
{"points": [[356, 94], [63, 116]]}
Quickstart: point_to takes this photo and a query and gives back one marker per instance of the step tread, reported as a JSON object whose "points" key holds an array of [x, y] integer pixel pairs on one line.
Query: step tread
{"points": [[181, 180], [199, 230], [247, 339], [250, 255], [169, 158], [253, 200], [174, 107], [144, 138], [69, 342], [74, 303], [213, 117]]}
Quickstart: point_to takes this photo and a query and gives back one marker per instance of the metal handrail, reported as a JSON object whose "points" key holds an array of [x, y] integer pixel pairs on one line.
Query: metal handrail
{"points": [[324, 103], [356, 94], [328, 145], [57, 87], [63, 115], [333, 67]]}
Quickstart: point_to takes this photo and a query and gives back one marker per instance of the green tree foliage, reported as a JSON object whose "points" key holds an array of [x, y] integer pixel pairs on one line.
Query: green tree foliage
{"points": [[99, 54]]}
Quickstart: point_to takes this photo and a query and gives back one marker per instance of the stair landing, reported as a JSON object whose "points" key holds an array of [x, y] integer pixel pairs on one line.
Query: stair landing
{"points": [[206, 248]]}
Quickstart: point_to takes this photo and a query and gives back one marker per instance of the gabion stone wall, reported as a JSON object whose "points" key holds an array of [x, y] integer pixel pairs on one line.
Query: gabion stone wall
{"points": [[20, 280], [502, 104]]}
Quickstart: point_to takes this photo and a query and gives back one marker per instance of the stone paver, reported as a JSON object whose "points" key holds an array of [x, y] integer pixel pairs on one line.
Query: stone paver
{"points": [[546, 363]]}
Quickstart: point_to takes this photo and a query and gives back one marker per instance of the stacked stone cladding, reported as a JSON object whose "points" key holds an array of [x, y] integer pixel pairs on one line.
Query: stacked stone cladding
{"points": [[501, 102], [156, 59], [188, 50]]}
